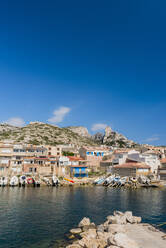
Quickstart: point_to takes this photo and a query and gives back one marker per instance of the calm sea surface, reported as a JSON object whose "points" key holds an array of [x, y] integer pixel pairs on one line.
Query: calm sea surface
{"points": [[39, 217]]}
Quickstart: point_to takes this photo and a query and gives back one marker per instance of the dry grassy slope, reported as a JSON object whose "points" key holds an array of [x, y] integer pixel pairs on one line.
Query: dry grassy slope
{"points": [[43, 134]]}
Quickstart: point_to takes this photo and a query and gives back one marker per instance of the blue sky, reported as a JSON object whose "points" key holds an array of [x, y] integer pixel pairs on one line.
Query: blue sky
{"points": [[85, 63]]}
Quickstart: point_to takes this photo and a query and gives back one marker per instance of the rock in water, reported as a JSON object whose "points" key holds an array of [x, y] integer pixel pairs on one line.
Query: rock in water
{"points": [[76, 230], [84, 222]]}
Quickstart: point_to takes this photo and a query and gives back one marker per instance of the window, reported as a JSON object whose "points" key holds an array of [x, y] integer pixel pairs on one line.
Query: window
{"points": [[58, 149], [49, 153], [30, 169], [58, 153]]}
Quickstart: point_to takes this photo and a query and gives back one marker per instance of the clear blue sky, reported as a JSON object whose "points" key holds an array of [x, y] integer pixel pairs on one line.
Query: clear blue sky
{"points": [[105, 61]]}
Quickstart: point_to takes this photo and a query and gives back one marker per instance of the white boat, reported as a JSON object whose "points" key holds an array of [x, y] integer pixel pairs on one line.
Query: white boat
{"points": [[55, 181], [14, 181], [3, 181], [23, 180], [37, 182], [47, 181], [109, 180]]}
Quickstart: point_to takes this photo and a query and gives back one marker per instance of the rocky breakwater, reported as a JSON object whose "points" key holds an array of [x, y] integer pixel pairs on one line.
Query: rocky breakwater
{"points": [[121, 230]]}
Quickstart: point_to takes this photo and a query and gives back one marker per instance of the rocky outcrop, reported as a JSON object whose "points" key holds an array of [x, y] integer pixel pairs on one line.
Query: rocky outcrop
{"points": [[112, 138], [80, 130], [98, 137], [121, 230]]}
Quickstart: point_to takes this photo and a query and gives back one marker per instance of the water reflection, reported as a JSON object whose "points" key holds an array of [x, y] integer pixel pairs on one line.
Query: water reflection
{"points": [[39, 217]]}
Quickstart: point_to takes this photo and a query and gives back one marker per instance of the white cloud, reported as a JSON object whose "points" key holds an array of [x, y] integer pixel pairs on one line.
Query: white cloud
{"points": [[98, 126], [59, 115], [15, 121], [153, 138]]}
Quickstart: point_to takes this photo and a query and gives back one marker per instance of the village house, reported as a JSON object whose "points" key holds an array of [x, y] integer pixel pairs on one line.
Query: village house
{"points": [[6, 150], [162, 169], [131, 169], [37, 165], [54, 151], [93, 156], [78, 167], [150, 158], [120, 156]]}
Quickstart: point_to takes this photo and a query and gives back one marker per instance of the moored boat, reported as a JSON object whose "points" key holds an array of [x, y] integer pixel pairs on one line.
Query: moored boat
{"points": [[3, 181], [47, 181], [14, 181], [22, 181], [55, 181]]}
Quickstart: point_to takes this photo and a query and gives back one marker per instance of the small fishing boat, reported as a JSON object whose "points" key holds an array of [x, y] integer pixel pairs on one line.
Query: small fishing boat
{"points": [[47, 181], [108, 180], [133, 179], [37, 182], [23, 181], [123, 181], [115, 181], [55, 181], [69, 180], [3, 181], [30, 181], [14, 181], [99, 181]]}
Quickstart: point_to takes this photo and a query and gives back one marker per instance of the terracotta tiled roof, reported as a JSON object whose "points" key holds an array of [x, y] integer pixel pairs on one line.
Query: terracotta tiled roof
{"points": [[132, 165], [91, 148], [72, 158], [163, 160]]}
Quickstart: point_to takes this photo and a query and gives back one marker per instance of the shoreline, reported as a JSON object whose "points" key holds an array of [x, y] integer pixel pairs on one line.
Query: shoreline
{"points": [[119, 230]]}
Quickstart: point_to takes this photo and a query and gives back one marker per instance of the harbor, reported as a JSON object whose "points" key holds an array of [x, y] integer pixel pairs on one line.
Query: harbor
{"points": [[41, 216]]}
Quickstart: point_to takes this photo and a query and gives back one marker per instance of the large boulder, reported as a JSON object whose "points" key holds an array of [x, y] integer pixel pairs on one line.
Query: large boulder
{"points": [[116, 228], [129, 216], [91, 233], [76, 230], [137, 219], [73, 246], [118, 219], [84, 222], [87, 227], [123, 241], [101, 228], [88, 243]]}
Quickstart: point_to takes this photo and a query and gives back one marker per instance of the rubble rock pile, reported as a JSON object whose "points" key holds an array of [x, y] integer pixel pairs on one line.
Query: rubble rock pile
{"points": [[121, 230]]}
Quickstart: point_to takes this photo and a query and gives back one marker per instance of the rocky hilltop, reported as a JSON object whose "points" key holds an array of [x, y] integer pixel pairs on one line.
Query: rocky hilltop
{"points": [[42, 133], [109, 137], [80, 130]]}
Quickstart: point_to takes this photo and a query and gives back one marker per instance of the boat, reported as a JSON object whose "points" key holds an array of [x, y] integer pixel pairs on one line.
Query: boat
{"points": [[37, 182], [30, 181], [108, 180], [55, 181], [3, 181], [69, 180], [123, 181], [47, 181], [14, 181], [23, 181], [115, 181], [99, 181], [133, 179]]}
